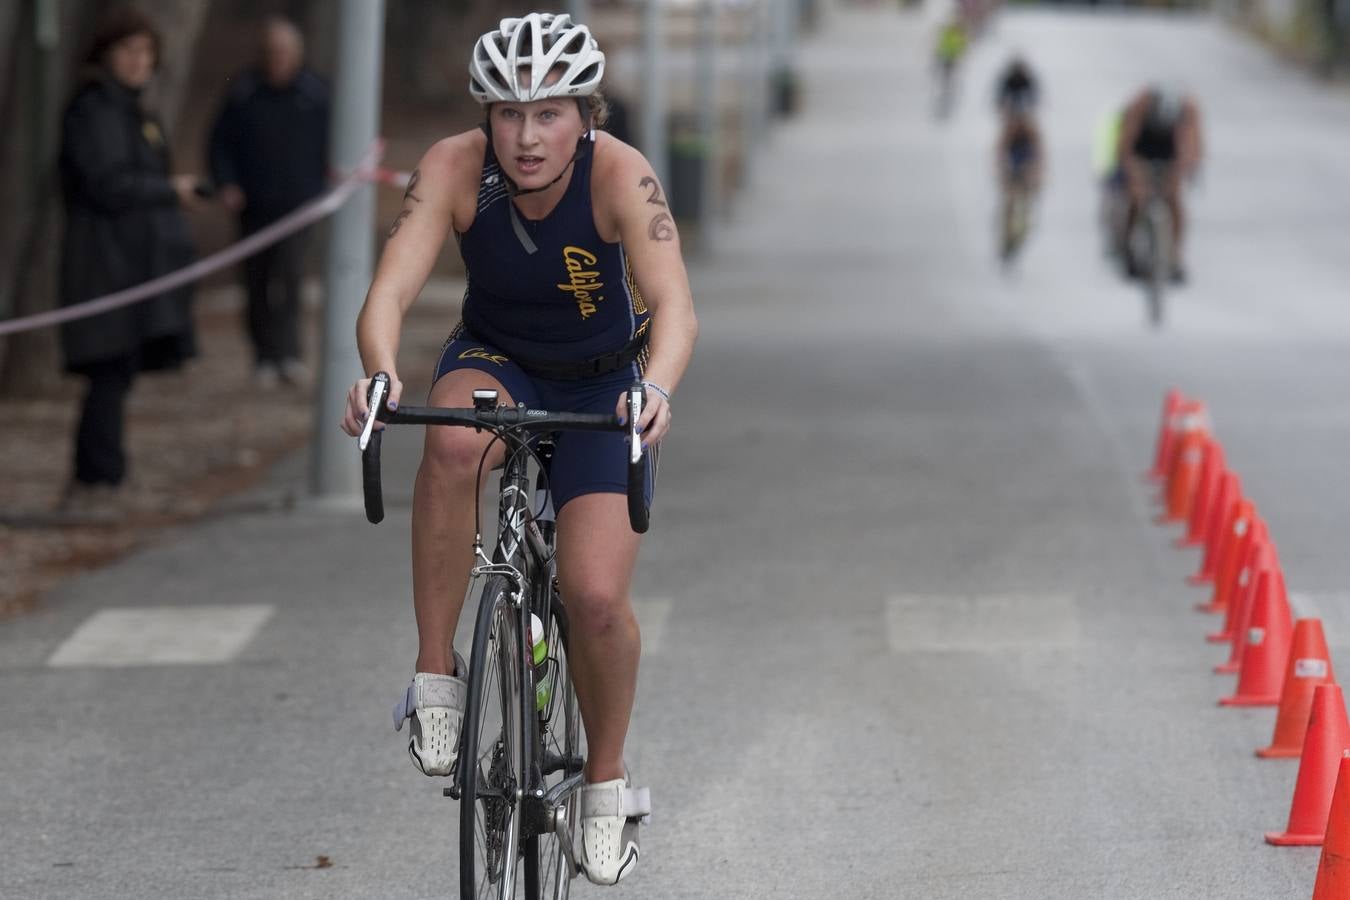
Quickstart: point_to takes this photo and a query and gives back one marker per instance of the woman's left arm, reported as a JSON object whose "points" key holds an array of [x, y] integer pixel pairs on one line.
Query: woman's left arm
{"points": [[638, 207]]}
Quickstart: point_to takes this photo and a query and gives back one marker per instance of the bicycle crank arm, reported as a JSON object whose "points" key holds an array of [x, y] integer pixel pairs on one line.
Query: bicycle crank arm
{"points": [[565, 841]]}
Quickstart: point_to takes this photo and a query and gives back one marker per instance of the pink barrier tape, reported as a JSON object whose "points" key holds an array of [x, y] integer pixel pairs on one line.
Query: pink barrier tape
{"points": [[392, 178], [306, 215]]}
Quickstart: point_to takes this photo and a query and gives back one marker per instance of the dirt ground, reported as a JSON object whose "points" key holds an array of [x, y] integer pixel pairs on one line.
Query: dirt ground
{"points": [[196, 440]]}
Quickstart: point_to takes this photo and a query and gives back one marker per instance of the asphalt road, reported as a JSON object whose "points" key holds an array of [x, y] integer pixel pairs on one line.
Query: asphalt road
{"points": [[909, 629]]}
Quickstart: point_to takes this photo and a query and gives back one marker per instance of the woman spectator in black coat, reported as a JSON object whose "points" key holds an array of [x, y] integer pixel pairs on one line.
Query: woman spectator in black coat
{"points": [[124, 225]]}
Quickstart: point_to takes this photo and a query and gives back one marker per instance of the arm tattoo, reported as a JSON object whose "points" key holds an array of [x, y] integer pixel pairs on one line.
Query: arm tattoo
{"points": [[661, 228], [650, 182], [413, 180]]}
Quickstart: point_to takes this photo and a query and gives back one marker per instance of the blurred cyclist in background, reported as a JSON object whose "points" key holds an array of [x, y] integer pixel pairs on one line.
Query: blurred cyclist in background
{"points": [[951, 47], [1017, 87], [1020, 160], [1111, 178], [1160, 127]]}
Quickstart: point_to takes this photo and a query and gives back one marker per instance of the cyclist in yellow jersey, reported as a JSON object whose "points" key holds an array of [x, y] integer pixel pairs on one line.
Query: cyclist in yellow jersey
{"points": [[952, 43], [1111, 178], [951, 47]]}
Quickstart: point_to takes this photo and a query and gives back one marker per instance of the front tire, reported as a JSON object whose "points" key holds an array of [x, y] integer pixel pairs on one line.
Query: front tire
{"points": [[1160, 262], [490, 760]]}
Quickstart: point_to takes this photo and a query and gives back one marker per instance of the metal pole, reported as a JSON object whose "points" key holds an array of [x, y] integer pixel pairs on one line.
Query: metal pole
{"points": [[351, 252], [761, 45], [706, 74], [580, 11], [769, 30], [654, 100]]}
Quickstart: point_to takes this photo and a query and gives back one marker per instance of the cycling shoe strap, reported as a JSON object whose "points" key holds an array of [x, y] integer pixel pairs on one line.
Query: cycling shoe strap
{"points": [[431, 691], [404, 708], [614, 799]]}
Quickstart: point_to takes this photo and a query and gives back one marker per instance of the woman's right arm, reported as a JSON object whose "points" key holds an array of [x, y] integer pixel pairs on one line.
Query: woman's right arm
{"points": [[414, 242]]}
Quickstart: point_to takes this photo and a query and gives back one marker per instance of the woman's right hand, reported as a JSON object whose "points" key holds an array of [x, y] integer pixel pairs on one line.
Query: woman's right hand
{"points": [[185, 186], [354, 420]]}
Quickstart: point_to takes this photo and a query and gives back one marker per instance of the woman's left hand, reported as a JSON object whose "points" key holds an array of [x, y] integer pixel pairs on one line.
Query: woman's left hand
{"points": [[655, 420]]}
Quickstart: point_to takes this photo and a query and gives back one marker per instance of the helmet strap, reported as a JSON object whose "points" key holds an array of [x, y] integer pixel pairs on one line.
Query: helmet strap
{"points": [[513, 190]]}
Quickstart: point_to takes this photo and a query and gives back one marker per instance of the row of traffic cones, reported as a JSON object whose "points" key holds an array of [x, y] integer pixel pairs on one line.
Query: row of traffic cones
{"points": [[1278, 662]]}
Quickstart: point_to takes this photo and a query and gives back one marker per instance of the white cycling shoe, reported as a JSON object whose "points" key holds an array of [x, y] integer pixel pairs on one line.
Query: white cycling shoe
{"points": [[435, 704], [611, 812]]}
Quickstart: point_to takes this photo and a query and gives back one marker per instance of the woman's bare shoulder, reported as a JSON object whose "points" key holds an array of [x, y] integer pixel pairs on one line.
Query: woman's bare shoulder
{"points": [[455, 155], [614, 158]]}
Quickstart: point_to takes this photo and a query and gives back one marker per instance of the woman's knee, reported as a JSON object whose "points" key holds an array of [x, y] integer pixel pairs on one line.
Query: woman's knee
{"points": [[454, 454], [597, 611]]}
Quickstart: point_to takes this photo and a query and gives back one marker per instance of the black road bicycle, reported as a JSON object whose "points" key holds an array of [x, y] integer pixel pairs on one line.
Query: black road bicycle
{"points": [[520, 755], [1150, 245], [1015, 222]]}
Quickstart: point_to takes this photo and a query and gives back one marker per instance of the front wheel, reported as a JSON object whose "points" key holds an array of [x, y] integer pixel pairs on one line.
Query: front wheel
{"points": [[1160, 261], [491, 761]]}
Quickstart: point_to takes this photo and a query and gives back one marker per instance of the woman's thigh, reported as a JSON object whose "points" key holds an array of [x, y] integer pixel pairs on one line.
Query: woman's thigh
{"points": [[597, 549]]}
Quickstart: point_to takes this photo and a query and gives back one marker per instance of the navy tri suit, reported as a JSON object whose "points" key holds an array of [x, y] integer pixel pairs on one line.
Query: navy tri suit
{"points": [[562, 328]]}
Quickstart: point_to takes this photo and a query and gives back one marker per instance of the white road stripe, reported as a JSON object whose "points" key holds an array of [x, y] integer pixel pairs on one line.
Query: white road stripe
{"points": [[652, 614], [158, 636], [930, 622]]}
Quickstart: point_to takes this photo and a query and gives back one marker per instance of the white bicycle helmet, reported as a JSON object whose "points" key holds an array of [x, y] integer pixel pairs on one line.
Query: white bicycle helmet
{"points": [[512, 63]]}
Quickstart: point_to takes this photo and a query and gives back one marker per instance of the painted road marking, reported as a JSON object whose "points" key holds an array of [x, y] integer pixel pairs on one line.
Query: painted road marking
{"points": [[652, 614], [931, 622], [161, 636]]}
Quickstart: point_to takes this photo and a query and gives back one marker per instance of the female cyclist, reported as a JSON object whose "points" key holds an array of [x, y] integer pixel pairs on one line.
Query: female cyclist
{"points": [[576, 289]]}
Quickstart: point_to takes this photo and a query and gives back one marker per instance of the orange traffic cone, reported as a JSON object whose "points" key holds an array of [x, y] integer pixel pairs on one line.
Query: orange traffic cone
{"points": [[1235, 541], [1220, 522], [1190, 418], [1242, 630], [1212, 468], [1260, 554], [1161, 454], [1327, 740], [1265, 646], [1309, 665], [1184, 477], [1333, 871]]}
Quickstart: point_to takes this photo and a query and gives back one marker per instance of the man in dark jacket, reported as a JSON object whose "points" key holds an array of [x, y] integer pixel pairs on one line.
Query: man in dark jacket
{"points": [[269, 155]]}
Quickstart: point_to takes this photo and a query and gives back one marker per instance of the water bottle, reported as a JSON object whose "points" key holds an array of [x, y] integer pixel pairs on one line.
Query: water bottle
{"points": [[543, 684]]}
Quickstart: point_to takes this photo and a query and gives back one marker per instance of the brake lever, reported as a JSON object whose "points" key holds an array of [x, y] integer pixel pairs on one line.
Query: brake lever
{"points": [[637, 394], [379, 387]]}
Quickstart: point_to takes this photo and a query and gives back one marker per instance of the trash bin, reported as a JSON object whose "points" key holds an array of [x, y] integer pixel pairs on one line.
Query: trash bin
{"points": [[786, 92], [688, 169]]}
